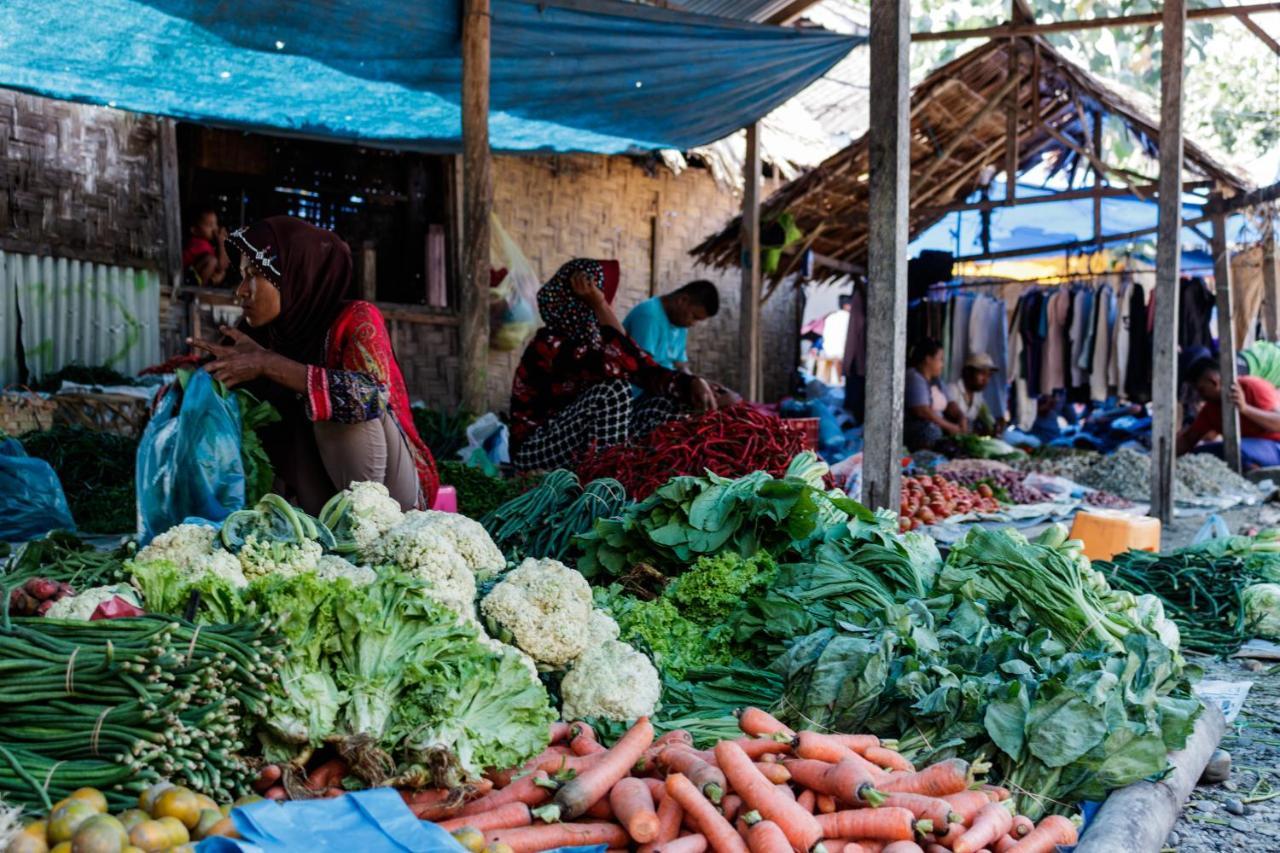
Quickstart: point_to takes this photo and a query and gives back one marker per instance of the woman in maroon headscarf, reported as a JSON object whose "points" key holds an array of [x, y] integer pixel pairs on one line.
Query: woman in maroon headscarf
{"points": [[573, 388], [326, 364]]}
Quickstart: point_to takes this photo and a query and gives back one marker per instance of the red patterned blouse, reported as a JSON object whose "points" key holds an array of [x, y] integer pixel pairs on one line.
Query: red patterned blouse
{"points": [[361, 379]]}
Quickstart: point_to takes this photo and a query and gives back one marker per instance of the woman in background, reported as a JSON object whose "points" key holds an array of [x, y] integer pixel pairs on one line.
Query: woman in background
{"points": [[930, 412]]}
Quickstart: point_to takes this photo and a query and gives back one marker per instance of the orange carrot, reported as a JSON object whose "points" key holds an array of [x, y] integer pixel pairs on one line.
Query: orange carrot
{"points": [[584, 740], [657, 790], [565, 766], [524, 790], [432, 803], [837, 844], [902, 847], [766, 836], [502, 778], [1022, 826], [870, 845], [885, 824], [670, 816], [695, 843], [503, 817], [633, 807], [807, 800], [826, 803], [674, 736], [954, 831], [1004, 844], [1053, 830], [935, 848], [967, 804], [328, 774], [770, 758], [858, 743], [719, 833], [932, 809], [800, 827], [532, 839], [709, 779], [945, 777], [758, 723], [755, 747], [731, 806], [775, 773], [268, 776], [996, 792], [990, 824], [888, 759], [592, 785], [785, 790], [819, 747], [560, 732], [600, 810], [846, 780]]}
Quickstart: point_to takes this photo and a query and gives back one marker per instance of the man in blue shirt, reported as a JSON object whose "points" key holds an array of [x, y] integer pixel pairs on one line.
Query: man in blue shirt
{"points": [[660, 326]]}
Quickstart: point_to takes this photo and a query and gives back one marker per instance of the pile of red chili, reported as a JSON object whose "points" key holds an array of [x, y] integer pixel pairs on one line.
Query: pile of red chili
{"points": [[730, 442]]}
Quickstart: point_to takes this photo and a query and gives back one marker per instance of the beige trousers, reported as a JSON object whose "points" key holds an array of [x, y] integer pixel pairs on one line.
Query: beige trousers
{"points": [[343, 454]]}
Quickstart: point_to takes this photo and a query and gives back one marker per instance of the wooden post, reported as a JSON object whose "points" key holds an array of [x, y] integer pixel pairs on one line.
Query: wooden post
{"points": [[477, 194], [655, 245], [369, 271], [172, 202], [1270, 283], [1164, 367], [890, 162], [750, 300], [1097, 178], [1226, 341]]}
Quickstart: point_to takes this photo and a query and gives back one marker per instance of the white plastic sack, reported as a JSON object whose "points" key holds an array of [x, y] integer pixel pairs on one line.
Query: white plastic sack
{"points": [[488, 435], [513, 302]]}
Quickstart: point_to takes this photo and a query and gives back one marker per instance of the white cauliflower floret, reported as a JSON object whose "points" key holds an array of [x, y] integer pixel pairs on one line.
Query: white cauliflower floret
{"points": [[601, 628], [373, 513], [613, 681], [82, 606], [504, 649], [472, 541], [417, 545], [545, 607], [331, 567], [196, 550], [259, 557]]}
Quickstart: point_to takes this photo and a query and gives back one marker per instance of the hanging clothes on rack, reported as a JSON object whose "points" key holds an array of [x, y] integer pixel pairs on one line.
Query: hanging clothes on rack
{"points": [[989, 335], [1137, 384], [1053, 366], [1118, 362], [1104, 319], [1195, 306], [1078, 362]]}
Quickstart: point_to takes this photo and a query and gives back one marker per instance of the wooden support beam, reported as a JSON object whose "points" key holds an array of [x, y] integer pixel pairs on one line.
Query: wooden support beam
{"points": [[1254, 27], [790, 12], [890, 163], [1164, 365], [1099, 167], [963, 134], [749, 303], [172, 202], [1270, 284], [1097, 178], [1007, 30], [655, 245], [1011, 129], [1072, 245], [1253, 198], [477, 194], [1226, 341]]}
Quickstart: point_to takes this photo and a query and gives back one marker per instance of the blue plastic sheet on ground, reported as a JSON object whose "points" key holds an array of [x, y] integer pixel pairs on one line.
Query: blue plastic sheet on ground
{"points": [[189, 461], [31, 499], [595, 75]]}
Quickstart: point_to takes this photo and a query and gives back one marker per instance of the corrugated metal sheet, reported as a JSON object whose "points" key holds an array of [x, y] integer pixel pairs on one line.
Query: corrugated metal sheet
{"points": [[742, 10], [74, 311]]}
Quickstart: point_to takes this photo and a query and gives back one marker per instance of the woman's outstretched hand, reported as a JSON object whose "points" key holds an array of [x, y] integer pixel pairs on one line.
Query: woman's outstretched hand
{"points": [[243, 361], [704, 399]]}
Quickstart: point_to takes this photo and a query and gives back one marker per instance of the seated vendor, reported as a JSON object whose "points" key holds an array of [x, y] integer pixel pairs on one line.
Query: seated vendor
{"points": [[1255, 398], [204, 253], [660, 326], [572, 390], [967, 393], [326, 364], [930, 412]]}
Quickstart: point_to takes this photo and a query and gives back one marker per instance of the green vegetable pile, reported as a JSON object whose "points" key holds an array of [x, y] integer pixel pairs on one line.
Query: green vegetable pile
{"points": [[544, 521], [478, 493], [96, 470], [443, 433], [64, 557]]}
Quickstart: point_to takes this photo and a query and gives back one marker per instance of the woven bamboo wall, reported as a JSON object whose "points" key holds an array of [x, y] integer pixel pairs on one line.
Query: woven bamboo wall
{"points": [[80, 182]]}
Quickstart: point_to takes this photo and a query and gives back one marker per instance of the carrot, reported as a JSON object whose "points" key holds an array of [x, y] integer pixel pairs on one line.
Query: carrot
{"points": [[532, 839], [708, 778], [758, 723], [858, 743], [945, 777], [954, 831], [888, 759], [633, 807], [785, 790], [807, 800], [670, 816], [503, 817], [657, 790], [770, 758], [870, 845], [328, 774], [719, 833], [334, 792], [600, 810], [967, 804], [902, 847], [275, 792], [932, 809], [800, 827], [755, 747], [766, 836], [1053, 830], [584, 740], [935, 848], [1004, 844], [846, 780], [502, 778], [529, 790], [991, 823], [1022, 826], [826, 804], [560, 732], [268, 776], [433, 803], [996, 792], [695, 843], [593, 784], [731, 806], [675, 736], [885, 824], [819, 747], [566, 766], [775, 773]]}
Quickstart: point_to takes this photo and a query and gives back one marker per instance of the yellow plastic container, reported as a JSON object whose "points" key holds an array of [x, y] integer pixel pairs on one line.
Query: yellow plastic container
{"points": [[1106, 533]]}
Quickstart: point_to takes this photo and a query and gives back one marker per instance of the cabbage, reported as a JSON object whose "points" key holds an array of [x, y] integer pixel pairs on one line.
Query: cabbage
{"points": [[1150, 614], [1262, 609]]}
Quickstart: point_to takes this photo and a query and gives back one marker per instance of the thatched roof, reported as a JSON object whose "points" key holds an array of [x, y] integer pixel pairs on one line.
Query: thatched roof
{"points": [[958, 138]]}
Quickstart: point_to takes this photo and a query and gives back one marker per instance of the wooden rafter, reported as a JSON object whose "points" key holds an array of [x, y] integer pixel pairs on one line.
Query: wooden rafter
{"points": [[1009, 30]]}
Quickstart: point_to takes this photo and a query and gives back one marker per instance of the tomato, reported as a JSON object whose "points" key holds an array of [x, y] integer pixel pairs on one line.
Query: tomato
{"points": [[985, 490]]}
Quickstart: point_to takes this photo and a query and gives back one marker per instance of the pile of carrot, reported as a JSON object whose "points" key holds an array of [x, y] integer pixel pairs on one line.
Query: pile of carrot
{"points": [[774, 790]]}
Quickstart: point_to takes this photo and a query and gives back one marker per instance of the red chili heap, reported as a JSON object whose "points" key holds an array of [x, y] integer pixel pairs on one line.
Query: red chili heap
{"points": [[730, 442]]}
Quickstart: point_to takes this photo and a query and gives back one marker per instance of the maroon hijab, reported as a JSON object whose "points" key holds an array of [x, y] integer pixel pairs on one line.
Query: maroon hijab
{"points": [[312, 269]]}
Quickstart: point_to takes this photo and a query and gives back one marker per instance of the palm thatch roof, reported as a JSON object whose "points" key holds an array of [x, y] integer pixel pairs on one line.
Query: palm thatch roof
{"points": [[959, 131]]}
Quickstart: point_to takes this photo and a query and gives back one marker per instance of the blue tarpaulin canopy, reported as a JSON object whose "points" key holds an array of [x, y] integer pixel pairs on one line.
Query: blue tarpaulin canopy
{"points": [[569, 75]]}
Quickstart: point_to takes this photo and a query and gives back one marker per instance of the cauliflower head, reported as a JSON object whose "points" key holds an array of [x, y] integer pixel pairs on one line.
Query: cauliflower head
{"points": [[81, 606], [259, 557], [471, 541], [611, 680], [196, 550], [331, 567], [545, 608], [601, 628], [373, 512], [419, 547]]}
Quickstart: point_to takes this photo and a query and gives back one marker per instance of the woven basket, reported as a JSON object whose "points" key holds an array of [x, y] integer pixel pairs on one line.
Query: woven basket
{"points": [[24, 411], [115, 413]]}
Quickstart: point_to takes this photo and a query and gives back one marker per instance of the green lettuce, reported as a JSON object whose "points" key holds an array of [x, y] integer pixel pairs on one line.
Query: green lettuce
{"points": [[168, 589]]}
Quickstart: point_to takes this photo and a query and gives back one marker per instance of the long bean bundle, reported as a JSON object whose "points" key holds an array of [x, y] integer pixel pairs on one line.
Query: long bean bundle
{"points": [[544, 520], [64, 557], [117, 704]]}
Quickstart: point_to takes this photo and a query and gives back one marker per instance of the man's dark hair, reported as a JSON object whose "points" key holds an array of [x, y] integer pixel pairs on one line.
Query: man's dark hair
{"points": [[1200, 367], [922, 350], [845, 300], [703, 293], [196, 212]]}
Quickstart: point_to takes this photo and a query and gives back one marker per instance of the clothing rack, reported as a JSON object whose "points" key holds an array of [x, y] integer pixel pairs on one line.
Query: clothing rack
{"points": [[1058, 279]]}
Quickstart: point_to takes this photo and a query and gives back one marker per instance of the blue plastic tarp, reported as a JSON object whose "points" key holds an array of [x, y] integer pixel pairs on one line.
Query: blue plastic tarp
{"points": [[570, 75]]}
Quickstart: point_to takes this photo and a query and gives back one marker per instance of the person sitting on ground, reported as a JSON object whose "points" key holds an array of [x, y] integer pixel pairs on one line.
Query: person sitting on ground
{"points": [[660, 326], [1255, 398], [572, 389], [204, 254], [327, 366], [967, 393], [930, 412]]}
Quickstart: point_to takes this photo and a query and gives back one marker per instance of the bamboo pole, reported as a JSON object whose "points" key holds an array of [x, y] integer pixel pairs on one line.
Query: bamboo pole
{"points": [[749, 303], [1226, 342], [477, 193]]}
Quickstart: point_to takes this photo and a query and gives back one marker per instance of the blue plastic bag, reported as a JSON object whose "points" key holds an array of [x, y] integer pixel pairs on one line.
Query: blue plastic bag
{"points": [[189, 458], [31, 499]]}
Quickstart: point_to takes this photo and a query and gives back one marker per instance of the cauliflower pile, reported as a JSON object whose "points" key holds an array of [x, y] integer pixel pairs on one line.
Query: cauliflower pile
{"points": [[545, 609], [438, 548], [196, 551], [81, 606], [361, 515], [260, 557], [331, 567]]}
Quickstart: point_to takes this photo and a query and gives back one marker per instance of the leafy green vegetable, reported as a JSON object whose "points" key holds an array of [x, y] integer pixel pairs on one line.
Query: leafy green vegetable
{"points": [[478, 493], [96, 471], [166, 588], [716, 585], [657, 627], [259, 476]]}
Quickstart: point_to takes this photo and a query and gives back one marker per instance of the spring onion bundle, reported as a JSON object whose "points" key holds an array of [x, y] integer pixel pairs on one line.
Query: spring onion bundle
{"points": [[544, 520]]}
